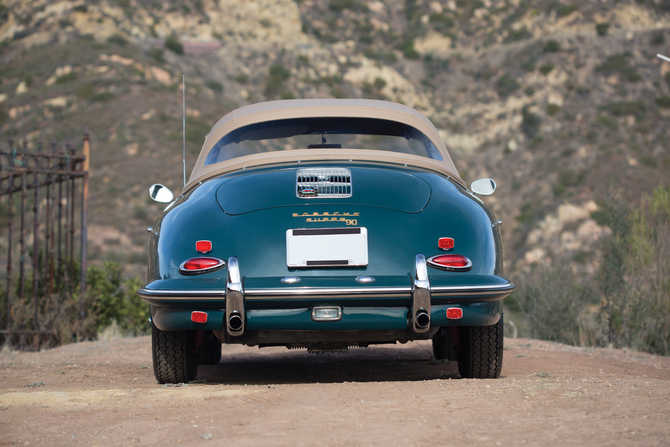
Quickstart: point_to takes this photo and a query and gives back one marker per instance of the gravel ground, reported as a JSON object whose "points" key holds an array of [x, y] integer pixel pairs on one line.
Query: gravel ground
{"points": [[104, 393]]}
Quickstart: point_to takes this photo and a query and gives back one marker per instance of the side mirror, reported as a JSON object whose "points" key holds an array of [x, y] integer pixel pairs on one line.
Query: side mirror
{"points": [[483, 186], [160, 193]]}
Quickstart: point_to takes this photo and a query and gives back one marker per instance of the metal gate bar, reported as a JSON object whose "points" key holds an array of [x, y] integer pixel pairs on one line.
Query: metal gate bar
{"points": [[47, 265]]}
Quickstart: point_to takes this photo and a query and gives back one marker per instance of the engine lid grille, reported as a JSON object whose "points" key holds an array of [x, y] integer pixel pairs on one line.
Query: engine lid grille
{"points": [[323, 183]]}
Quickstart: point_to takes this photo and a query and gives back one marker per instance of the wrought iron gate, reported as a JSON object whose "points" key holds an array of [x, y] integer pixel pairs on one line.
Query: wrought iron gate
{"points": [[43, 198]]}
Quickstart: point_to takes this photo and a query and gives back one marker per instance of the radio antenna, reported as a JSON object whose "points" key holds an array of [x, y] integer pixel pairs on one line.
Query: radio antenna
{"points": [[183, 124]]}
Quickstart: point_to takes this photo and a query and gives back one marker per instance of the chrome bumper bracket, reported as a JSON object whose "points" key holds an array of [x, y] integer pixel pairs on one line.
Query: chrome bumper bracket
{"points": [[420, 296], [235, 313]]}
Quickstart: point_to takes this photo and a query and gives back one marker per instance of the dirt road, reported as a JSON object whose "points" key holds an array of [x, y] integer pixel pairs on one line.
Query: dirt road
{"points": [[104, 393]]}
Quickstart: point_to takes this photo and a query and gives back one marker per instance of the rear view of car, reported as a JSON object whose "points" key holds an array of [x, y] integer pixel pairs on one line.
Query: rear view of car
{"points": [[325, 225]]}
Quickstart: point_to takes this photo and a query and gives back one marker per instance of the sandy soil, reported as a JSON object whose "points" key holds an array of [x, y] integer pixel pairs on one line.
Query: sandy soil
{"points": [[104, 393]]}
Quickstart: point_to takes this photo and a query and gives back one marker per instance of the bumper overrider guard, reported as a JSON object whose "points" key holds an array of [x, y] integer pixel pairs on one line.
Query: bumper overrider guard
{"points": [[235, 313], [170, 306], [420, 296]]}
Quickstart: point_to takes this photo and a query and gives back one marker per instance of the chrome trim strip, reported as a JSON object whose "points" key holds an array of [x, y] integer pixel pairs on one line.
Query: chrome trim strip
{"points": [[330, 291], [491, 287], [219, 293], [308, 292]]}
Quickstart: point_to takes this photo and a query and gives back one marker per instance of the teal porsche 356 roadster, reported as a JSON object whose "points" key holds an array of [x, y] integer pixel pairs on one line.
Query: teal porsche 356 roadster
{"points": [[325, 224]]}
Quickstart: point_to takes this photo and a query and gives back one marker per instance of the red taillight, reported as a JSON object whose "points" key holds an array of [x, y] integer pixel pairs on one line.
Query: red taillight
{"points": [[201, 265], [445, 243], [203, 246], [454, 313], [450, 262], [198, 317]]}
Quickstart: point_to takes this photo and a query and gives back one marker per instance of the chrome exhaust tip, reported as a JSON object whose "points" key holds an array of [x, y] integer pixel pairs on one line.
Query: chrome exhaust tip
{"points": [[235, 322], [422, 319]]}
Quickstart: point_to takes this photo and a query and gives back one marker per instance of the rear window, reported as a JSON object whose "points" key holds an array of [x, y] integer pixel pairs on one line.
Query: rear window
{"points": [[323, 133]]}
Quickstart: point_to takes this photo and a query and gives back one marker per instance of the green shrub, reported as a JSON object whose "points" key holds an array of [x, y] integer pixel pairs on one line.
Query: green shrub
{"points": [[102, 96], [530, 123], [441, 21], [626, 304], [566, 10], [657, 39], [85, 92], [551, 46], [173, 44], [552, 109], [618, 63], [242, 78], [341, 5], [635, 257], [71, 76], [516, 35], [602, 29], [624, 108], [109, 300], [663, 101], [278, 71], [569, 177], [552, 302], [407, 48], [117, 39], [545, 69], [506, 85], [158, 55], [526, 213], [614, 63], [649, 160], [214, 85], [277, 74]]}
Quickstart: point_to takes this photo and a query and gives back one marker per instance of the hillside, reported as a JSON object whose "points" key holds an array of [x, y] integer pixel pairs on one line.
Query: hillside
{"points": [[561, 102]]}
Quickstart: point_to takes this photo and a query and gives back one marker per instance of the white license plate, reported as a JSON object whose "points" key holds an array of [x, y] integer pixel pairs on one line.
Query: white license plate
{"points": [[327, 247]]}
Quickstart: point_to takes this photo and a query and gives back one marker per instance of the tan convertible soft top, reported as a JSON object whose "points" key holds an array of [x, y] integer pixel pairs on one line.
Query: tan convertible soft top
{"points": [[300, 108]]}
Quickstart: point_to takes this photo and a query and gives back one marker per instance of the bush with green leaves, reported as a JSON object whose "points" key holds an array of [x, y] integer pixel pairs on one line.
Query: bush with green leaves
{"points": [[552, 302], [626, 304], [634, 270], [109, 300], [173, 44]]}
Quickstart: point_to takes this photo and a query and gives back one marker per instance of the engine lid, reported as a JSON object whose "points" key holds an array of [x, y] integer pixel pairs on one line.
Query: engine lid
{"points": [[314, 186]]}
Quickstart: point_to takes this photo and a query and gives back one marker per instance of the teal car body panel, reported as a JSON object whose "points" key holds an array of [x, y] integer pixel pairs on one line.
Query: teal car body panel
{"points": [[246, 214]]}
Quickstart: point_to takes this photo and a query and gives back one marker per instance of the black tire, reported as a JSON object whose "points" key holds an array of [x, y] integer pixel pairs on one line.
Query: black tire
{"points": [[443, 345], [481, 351], [210, 351], [173, 356]]}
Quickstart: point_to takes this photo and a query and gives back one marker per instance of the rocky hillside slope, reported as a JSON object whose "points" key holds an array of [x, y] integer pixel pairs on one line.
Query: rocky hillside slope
{"points": [[561, 102]]}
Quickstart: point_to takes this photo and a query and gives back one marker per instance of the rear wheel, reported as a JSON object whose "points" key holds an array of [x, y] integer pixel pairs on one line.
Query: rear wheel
{"points": [[481, 351], [210, 351], [173, 356], [443, 345]]}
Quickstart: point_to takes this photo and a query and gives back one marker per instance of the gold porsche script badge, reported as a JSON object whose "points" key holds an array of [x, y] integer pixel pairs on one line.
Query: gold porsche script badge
{"points": [[347, 218]]}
